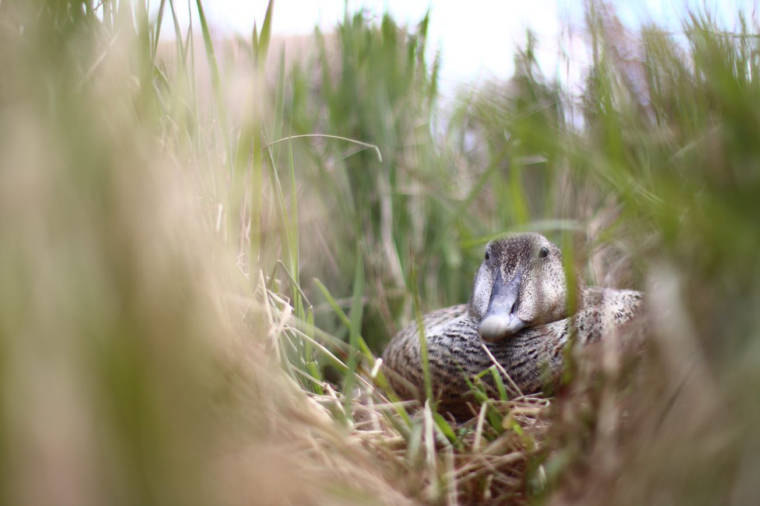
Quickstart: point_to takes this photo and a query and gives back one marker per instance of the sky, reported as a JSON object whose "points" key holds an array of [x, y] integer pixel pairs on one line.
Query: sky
{"points": [[477, 38]]}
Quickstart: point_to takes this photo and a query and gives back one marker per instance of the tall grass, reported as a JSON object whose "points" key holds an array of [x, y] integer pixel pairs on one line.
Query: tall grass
{"points": [[137, 359], [207, 243]]}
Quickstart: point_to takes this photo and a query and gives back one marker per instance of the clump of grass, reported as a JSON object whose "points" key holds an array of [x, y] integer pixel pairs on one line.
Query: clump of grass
{"points": [[135, 364]]}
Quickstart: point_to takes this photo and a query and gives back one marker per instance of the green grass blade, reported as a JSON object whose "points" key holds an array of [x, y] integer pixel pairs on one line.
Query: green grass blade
{"points": [[261, 42], [355, 321], [446, 429], [366, 145], [177, 35], [159, 22], [215, 76], [422, 338], [499, 383], [343, 318]]}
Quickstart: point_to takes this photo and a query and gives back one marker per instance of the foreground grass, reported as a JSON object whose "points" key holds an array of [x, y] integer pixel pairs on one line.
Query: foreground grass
{"points": [[194, 294]]}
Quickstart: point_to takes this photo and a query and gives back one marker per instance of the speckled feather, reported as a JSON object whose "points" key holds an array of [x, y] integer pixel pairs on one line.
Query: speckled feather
{"points": [[532, 358]]}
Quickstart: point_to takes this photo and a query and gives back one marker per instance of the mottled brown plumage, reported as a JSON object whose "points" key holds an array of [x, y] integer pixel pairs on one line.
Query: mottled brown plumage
{"points": [[532, 356]]}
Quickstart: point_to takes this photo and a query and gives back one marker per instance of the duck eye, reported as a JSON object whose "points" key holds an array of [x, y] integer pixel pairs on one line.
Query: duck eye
{"points": [[543, 252], [488, 255]]}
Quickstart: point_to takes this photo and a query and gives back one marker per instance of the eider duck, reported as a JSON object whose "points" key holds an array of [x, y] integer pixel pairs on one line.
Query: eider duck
{"points": [[517, 316]]}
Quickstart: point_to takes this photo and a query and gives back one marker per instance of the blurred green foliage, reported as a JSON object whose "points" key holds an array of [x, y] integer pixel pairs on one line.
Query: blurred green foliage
{"points": [[110, 295]]}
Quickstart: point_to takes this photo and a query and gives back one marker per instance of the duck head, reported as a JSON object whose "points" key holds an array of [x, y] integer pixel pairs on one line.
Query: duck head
{"points": [[521, 283]]}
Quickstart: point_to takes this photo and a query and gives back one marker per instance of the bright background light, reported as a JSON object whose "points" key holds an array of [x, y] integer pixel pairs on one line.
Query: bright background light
{"points": [[477, 38]]}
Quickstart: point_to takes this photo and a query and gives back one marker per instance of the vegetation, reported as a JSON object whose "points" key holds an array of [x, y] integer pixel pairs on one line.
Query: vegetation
{"points": [[206, 244]]}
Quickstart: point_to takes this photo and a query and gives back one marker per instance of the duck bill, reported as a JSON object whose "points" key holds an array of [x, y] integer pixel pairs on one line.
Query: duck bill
{"points": [[501, 320]]}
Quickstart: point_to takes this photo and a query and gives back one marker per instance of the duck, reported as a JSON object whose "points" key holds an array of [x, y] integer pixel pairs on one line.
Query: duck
{"points": [[520, 320]]}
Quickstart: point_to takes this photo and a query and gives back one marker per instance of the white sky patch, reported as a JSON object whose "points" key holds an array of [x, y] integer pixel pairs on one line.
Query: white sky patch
{"points": [[477, 39]]}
